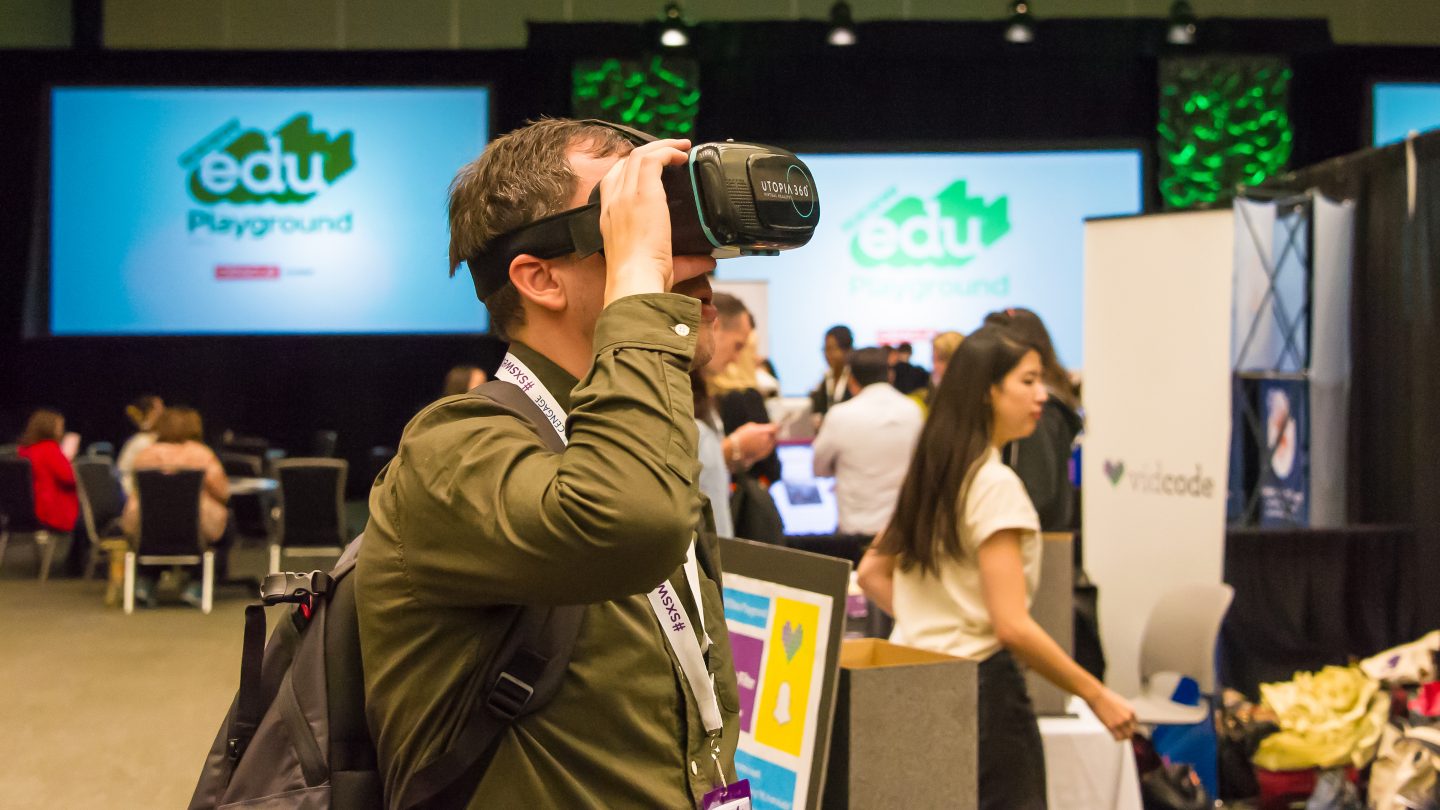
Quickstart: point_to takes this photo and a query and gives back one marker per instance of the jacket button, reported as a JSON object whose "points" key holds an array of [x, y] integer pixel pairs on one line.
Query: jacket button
{"points": [[694, 769], [683, 330]]}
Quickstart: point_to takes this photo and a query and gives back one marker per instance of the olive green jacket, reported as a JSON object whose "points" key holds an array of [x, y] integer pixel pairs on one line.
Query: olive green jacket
{"points": [[475, 513]]}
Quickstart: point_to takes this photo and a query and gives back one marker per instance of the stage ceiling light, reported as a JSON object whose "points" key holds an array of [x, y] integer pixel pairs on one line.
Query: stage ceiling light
{"points": [[673, 35], [842, 25], [1182, 24], [1021, 30]]}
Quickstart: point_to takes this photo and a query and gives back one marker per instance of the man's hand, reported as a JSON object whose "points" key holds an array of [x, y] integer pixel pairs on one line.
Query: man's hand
{"points": [[635, 221], [751, 442]]}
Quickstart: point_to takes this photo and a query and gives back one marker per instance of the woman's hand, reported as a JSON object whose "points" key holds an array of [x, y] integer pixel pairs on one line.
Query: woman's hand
{"points": [[1115, 712]]}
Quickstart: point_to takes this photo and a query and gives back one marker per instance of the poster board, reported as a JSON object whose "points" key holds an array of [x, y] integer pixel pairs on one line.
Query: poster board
{"points": [[1157, 410], [785, 611]]}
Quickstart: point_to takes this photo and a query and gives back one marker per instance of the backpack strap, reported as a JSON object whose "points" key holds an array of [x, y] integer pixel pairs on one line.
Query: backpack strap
{"points": [[521, 677], [250, 699]]}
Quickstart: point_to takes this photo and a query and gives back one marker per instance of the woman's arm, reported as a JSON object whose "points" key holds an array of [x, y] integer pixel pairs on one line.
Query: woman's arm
{"points": [[1002, 579], [216, 482], [61, 470], [877, 579]]}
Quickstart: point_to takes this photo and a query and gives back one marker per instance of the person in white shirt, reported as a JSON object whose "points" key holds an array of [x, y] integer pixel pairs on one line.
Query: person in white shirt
{"points": [[958, 564], [866, 443], [144, 412]]}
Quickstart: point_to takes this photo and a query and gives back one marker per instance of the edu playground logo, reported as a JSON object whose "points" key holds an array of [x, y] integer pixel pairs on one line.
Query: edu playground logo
{"points": [[239, 166], [948, 230], [1154, 480]]}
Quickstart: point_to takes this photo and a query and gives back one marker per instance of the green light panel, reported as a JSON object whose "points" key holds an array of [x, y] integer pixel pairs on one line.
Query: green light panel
{"points": [[659, 95], [1223, 121]]}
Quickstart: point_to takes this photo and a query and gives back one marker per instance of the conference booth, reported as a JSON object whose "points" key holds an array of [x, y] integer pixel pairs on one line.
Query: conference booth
{"points": [[266, 240]]}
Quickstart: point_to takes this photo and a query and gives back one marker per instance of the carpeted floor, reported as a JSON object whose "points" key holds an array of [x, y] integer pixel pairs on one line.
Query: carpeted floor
{"points": [[103, 710]]}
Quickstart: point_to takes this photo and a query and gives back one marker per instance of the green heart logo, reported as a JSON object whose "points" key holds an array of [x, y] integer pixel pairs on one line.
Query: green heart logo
{"points": [[792, 636], [1114, 470]]}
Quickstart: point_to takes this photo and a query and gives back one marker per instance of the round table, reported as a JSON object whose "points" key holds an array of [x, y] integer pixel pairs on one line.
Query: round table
{"points": [[240, 485]]}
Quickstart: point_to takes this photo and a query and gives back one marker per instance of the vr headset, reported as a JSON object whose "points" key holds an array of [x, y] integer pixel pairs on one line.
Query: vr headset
{"points": [[730, 199]]}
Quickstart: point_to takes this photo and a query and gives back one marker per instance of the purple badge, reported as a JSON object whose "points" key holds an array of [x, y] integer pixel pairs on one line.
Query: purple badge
{"points": [[734, 796]]}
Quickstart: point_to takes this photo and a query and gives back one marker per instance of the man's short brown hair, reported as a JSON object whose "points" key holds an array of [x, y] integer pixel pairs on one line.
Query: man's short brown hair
{"points": [[519, 178]]}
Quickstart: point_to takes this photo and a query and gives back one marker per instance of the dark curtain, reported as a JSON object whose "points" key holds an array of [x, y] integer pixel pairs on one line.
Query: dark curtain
{"points": [[1305, 598], [1395, 408]]}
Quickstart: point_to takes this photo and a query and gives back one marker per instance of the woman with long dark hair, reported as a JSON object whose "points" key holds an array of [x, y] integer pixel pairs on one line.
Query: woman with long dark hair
{"points": [[960, 561]]}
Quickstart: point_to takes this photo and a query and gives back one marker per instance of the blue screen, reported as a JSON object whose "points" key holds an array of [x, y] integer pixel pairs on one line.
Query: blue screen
{"points": [[1403, 108], [914, 244], [276, 210]]}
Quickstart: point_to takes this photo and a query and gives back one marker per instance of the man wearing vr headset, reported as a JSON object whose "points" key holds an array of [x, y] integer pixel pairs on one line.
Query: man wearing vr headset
{"points": [[475, 513]]}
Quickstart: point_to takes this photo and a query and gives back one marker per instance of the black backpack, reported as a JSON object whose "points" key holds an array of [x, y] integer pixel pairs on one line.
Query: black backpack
{"points": [[296, 735]]}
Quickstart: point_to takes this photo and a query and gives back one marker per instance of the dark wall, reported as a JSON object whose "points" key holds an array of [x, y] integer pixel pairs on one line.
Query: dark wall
{"points": [[905, 84]]}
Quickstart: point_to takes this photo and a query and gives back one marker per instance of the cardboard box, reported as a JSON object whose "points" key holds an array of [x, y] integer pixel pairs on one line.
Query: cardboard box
{"points": [[905, 729]]}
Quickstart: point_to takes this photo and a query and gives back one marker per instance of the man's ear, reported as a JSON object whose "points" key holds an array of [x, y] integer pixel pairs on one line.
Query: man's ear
{"points": [[536, 281]]}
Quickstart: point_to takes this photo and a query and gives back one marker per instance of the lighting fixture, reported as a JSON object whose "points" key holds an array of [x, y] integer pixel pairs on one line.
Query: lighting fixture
{"points": [[1181, 30], [1021, 29], [842, 25], [673, 34]]}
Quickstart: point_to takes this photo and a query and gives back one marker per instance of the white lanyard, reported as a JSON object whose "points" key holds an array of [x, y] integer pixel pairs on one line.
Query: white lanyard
{"points": [[669, 610]]}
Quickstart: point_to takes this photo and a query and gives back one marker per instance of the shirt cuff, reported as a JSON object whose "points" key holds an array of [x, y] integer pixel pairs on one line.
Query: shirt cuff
{"points": [[666, 322]]}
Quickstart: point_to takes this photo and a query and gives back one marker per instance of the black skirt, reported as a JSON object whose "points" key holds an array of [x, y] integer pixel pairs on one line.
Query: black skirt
{"points": [[1011, 756]]}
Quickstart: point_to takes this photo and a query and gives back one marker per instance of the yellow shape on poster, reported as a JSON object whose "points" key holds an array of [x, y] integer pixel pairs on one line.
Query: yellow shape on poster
{"points": [[789, 672]]}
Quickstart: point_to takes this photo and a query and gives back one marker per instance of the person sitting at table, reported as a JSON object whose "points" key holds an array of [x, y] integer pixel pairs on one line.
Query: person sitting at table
{"points": [[960, 561], [53, 479], [178, 447], [144, 412], [461, 379]]}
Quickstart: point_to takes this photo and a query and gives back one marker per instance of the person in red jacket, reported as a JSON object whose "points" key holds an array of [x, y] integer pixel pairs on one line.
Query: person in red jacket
{"points": [[56, 504]]}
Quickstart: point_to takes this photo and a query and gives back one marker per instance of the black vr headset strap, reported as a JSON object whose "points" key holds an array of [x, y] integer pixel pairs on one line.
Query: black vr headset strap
{"points": [[574, 231], [636, 136]]}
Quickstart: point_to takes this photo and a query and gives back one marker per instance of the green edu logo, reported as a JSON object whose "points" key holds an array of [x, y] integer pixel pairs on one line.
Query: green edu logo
{"points": [[244, 166], [292, 165], [949, 230]]}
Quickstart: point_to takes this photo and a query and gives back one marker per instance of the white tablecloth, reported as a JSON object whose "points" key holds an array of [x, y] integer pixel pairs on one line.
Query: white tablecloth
{"points": [[246, 486], [1085, 768]]}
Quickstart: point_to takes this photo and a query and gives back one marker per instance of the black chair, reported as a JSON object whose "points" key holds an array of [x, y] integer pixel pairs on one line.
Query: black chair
{"points": [[101, 503], [249, 511], [17, 511], [325, 443], [170, 529], [242, 465], [246, 445], [312, 509], [100, 450]]}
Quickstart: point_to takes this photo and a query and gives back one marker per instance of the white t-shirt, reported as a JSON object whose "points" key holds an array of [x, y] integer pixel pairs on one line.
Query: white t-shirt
{"points": [[866, 443], [126, 463], [946, 613]]}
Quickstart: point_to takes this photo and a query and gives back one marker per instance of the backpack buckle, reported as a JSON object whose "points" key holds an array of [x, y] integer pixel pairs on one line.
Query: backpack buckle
{"points": [[288, 586], [509, 696]]}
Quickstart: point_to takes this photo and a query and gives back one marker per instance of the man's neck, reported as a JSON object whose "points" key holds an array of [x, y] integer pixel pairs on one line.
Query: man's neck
{"points": [[570, 352]]}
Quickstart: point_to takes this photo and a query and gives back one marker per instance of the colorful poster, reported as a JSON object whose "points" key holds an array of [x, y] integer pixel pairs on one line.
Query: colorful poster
{"points": [[1285, 477], [780, 640]]}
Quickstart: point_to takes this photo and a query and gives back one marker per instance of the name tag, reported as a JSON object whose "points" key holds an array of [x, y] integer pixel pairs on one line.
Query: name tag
{"points": [[734, 796]]}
